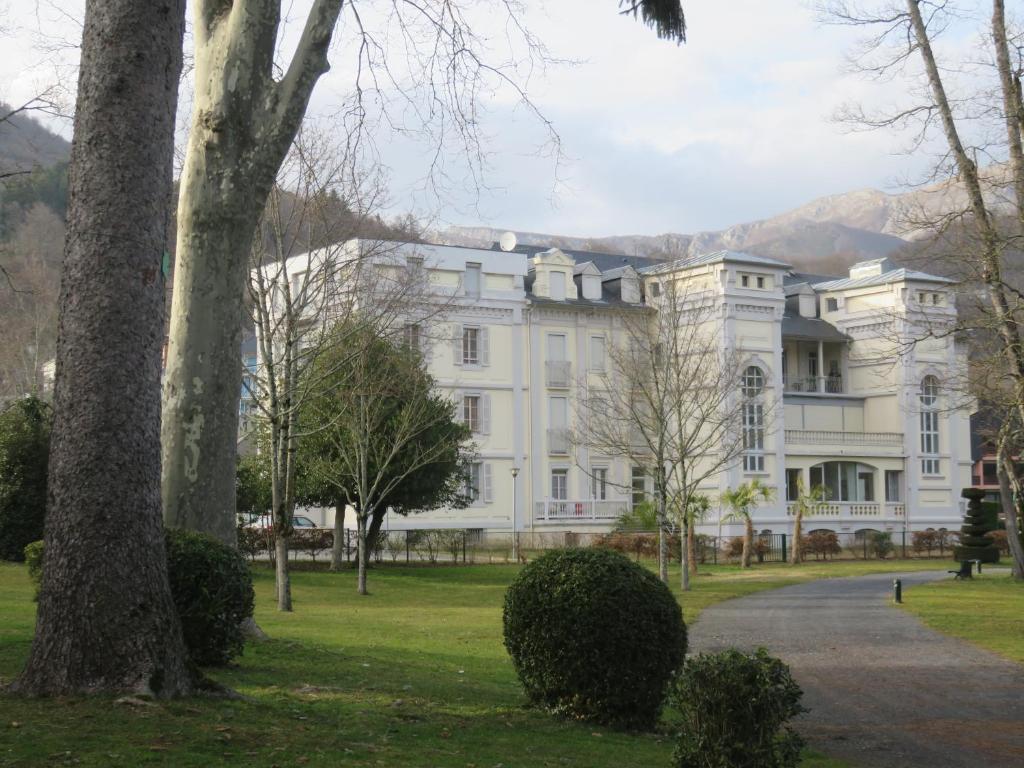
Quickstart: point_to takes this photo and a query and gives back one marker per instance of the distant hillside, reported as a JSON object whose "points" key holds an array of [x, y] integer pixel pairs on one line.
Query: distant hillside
{"points": [[25, 144], [826, 235]]}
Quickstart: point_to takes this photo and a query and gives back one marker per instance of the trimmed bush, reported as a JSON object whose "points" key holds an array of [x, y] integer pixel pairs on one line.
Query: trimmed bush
{"points": [[212, 590], [24, 460], [594, 636], [734, 708]]}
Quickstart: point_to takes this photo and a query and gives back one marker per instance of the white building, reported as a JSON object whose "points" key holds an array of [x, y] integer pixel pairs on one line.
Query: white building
{"points": [[523, 330]]}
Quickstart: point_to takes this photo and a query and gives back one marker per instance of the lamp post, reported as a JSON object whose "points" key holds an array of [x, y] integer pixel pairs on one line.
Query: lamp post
{"points": [[515, 532]]}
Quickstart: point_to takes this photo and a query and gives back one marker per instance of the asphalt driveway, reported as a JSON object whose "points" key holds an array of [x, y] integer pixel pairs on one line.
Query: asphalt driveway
{"points": [[883, 689]]}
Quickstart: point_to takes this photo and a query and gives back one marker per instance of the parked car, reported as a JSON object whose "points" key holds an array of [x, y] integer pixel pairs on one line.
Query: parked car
{"points": [[300, 522]]}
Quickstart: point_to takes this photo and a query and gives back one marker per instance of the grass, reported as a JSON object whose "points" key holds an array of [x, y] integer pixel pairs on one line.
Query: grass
{"points": [[987, 610], [414, 675]]}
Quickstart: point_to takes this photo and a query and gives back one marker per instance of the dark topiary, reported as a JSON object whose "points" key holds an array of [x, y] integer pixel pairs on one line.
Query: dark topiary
{"points": [[212, 589], [24, 458], [734, 708], [975, 544], [595, 636]]}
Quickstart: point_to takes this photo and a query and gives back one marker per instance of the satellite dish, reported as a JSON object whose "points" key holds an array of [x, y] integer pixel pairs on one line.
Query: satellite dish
{"points": [[507, 241]]}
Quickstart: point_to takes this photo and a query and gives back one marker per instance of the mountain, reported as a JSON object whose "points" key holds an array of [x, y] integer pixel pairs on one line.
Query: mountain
{"points": [[25, 144], [825, 235]]}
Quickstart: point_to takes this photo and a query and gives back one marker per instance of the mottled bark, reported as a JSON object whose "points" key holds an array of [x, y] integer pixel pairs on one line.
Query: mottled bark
{"points": [[795, 553], [685, 555], [243, 122], [282, 577], [106, 620], [1009, 494], [338, 545], [362, 555], [748, 540], [691, 548]]}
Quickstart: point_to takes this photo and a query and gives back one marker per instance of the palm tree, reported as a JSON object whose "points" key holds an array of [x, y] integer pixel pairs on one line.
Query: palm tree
{"points": [[697, 507], [666, 16], [807, 503], [742, 501]]}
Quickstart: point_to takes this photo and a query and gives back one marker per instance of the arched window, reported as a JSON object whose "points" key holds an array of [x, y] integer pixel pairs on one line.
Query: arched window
{"points": [[753, 381], [929, 399], [753, 420]]}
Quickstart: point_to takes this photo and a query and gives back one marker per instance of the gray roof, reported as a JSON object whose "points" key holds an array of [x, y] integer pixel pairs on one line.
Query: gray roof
{"points": [[736, 257], [812, 328], [893, 276], [603, 261]]}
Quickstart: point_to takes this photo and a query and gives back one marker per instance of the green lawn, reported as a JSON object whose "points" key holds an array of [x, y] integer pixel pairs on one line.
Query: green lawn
{"points": [[414, 675], [988, 611]]}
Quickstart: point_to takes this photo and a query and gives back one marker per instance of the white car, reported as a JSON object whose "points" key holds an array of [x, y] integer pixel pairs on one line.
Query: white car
{"points": [[300, 522]]}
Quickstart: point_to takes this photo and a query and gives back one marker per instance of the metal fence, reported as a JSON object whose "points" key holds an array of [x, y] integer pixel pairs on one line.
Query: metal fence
{"points": [[440, 546]]}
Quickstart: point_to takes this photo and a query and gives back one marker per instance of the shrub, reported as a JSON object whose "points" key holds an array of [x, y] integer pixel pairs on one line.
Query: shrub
{"points": [[212, 590], [594, 636], [24, 460], [822, 544], [34, 561], [881, 545], [734, 708]]}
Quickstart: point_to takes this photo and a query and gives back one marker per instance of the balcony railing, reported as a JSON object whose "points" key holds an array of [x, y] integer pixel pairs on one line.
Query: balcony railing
{"points": [[814, 385], [554, 510], [853, 509], [559, 373], [831, 437], [558, 441]]}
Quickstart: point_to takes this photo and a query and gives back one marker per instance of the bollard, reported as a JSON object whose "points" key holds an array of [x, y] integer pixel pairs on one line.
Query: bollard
{"points": [[897, 591]]}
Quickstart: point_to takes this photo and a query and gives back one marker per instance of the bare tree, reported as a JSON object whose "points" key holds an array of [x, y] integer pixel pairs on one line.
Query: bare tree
{"points": [[310, 274], [106, 620], [980, 229], [673, 400]]}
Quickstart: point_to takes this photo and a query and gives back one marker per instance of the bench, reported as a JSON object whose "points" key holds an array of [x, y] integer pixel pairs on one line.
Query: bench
{"points": [[965, 570]]}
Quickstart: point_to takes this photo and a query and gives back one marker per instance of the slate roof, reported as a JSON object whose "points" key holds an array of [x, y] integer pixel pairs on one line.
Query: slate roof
{"points": [[894, 276], [811, 328], [603, 261], [714, 257]]}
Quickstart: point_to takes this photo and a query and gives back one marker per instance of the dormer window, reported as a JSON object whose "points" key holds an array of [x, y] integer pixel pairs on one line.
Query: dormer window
{"points": [[831, 304], [655, 289], [557, 285], [758, 282], [472, 282]]}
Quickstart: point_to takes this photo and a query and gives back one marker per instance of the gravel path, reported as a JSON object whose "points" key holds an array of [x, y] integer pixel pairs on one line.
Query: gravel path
{"points": [[883, 689]]}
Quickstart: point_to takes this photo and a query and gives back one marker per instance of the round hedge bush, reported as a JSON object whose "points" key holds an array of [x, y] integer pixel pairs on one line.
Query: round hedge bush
{"points": [[212, 589], [594, 636]]}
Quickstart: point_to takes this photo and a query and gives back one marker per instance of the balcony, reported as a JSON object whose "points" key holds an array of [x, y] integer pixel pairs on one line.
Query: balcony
{"points": [[558, 373], [829, 437], [853, 510], [558, 511], [813, 385], [558, 441]]}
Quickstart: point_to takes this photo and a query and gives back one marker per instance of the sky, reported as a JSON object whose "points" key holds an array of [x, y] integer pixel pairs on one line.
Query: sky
{"points": [[733, 126]]}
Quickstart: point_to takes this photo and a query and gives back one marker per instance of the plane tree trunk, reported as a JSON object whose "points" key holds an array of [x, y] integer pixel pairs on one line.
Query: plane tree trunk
{"points": [[106, 621]]}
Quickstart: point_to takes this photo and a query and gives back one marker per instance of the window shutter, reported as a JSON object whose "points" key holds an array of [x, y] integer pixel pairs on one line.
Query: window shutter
{"points": [[457, 344], [485, 346], [488, 491], [485, 414]]}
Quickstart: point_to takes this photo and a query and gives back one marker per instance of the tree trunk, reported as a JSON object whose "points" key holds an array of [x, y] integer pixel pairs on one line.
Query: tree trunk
{"points": [[338, 545], [691, 548], [684, 556], [373, 533], [1009, 500], [796, 555], [283, 579], [662, 537], [748, 541], [362, 553], [106, 621]]}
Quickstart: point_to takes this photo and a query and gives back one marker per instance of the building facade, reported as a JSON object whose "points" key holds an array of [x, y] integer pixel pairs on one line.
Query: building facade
{"points": [[854, 389]]}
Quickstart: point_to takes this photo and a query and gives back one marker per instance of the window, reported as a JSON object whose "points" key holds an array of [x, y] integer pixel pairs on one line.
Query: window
{"points": [[471, 412], [831, 304], [599, 483], [760, 282], [470, 346], [556, 347], [474, 482], [753, 381], [753, 420], [929, 399], [745, 281], [557, 283], [559, 484], [473, 280], [655, 289], [597, 353], [812, 364], [845, 480], [411, 335], [893, 485], [792, 484], [638, 484]]}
